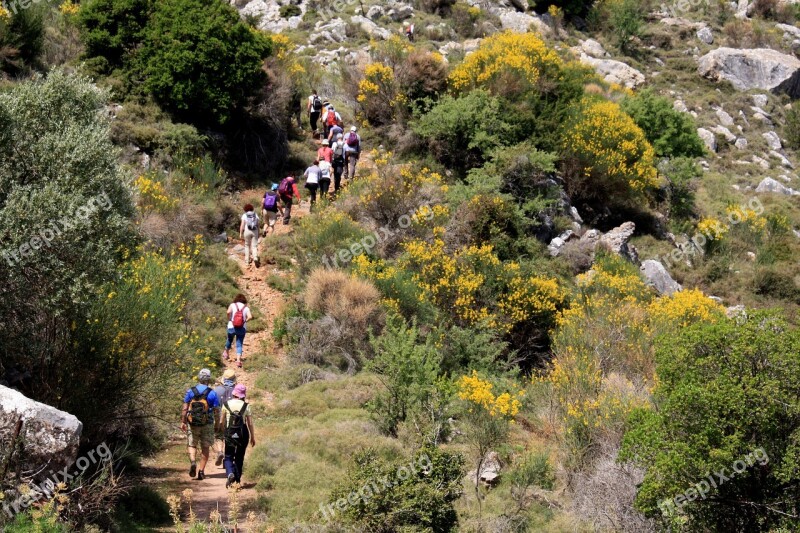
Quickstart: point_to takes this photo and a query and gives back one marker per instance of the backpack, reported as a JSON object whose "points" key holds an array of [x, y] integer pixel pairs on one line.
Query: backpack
{"points": [[352, 140], [285, 188], [199, 414], [238, 316], [252, 221], [234, 429], [270, 201], [227, 395], [339, 152], [316, 105], [331, 118]]}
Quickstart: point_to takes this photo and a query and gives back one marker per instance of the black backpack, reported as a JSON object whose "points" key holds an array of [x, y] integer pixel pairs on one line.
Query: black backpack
{"points": [[317, 104], [235, 428], [199, 412]]}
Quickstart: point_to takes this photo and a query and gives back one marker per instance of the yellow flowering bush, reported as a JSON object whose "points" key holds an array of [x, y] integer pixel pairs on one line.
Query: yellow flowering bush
{"points": [[606, 155], [152, 195], [5, 14], [686, 307], [68, 8], [377, 94], [474, 390], [507, 62]]}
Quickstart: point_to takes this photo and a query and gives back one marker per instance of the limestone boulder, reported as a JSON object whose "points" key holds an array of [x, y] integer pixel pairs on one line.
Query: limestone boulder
{"points": [[658, 277], [748, 69]]}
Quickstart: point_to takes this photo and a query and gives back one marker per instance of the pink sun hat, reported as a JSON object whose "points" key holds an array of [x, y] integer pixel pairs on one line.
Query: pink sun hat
{"points": [[240, 391]]}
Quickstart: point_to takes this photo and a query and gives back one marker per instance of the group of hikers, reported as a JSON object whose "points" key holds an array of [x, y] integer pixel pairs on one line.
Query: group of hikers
{"points": [[337, 156]]}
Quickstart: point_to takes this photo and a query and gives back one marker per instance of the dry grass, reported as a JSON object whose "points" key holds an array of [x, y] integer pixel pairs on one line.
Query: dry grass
{"points": [[348, 300]]}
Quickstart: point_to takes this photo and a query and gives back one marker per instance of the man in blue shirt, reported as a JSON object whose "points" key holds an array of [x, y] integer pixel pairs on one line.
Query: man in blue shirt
{"points": [[200, 409]]}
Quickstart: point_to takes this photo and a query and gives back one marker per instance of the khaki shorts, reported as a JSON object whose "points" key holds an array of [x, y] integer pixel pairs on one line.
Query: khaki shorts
{"points": [[204, 435]]}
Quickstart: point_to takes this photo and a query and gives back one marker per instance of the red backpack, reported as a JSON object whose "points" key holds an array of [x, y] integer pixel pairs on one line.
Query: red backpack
{"points": [[331, 118], [238, 316]]}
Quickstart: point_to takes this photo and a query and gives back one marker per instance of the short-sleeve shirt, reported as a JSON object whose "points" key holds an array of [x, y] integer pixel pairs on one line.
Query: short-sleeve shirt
{"points": [[244, 219], [213, 401], [312, 174], [325, 170], [235, 404], [246, 314]]}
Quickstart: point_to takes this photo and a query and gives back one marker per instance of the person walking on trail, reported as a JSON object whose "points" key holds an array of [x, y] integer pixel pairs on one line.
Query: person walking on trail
{"points": [[330, 118], [324, 152], [224, 391], [287, 190], [238, 433], [200, 409], [324, 179], [334, 133], [270, 207], [248, 231], [410, 32], [314, 109], [312, 175], [338, 162], [352, 151], [238, 315]]}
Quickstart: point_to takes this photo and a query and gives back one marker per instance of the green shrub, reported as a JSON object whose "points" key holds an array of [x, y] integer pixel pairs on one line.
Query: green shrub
{"points": [[726, 401], [625, 20], [112, 29], [672, 133], [776, 284], [791, 129], [407, 369], [199, 60], [461, 132], [681, 173], [22, 38], [290, 10], [420, 498]]}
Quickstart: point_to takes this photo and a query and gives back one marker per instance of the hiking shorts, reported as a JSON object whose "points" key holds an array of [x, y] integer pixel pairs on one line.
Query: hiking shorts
{"points": [[270, 217], [202, 435]]}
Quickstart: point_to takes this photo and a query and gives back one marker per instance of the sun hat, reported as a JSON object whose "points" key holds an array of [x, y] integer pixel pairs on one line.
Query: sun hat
{"points": [[240, 391], [325, 142], [353, 128], [274, 186], [229, 374], [204, 374]]}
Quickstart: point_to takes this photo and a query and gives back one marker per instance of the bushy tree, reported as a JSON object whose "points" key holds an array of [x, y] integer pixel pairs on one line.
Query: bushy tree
{"points": [[113, 28], [726, 402], [21, 37], [199, 60], [672, 133]]}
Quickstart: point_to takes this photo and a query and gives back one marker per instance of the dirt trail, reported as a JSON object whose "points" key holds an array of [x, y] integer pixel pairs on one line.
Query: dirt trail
{"points": [[170, 467]]}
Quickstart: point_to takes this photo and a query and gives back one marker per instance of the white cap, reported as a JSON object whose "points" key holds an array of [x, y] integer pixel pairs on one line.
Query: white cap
{"points": [[353, 128]]}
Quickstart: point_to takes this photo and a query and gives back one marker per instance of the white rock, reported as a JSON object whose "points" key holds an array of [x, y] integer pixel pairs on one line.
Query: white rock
{"points": [[680, 107], [705, 35], [708, 138], [681, 22], [782, 158], [268, 14], [465, 47], [761, 162], [593, 48], [725, 132], [789, 31], [773, 141], [399, 12], [741, 143], [332, 31], [614, 71], [375, 12], [724, 118], [369, 27], [657, 277], [759, 68], [772, 186], [760, 100], [513, 20]]}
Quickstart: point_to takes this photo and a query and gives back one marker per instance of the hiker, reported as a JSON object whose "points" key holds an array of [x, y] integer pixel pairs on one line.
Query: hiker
{"points": [[324, 179], [334, 133], [338, 162], [238, 432], [312, 181], [287, 190], [248, 230], [200, 409], [223, 390], [410, 32], [324, 153], [330, 117], [352, 151], [238, 315], [314, 109], [270, 207]]}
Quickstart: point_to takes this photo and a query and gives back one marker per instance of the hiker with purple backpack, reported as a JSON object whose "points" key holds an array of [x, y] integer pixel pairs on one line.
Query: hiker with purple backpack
{"points": [[287, 191], [270, 207]]}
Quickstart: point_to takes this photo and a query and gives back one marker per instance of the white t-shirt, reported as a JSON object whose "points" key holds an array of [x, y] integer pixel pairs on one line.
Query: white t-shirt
{"points": [[312, 175], [324, 170], [244, 219], [236, 405]]}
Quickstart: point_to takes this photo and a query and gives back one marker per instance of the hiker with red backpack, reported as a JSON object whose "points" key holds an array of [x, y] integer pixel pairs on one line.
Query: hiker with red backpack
{"points": [[352, 151], [238, 315], [238, 433], [314, 108], [270, 207], [200, 409], [287, 190], [330, 118], [248, 232]]}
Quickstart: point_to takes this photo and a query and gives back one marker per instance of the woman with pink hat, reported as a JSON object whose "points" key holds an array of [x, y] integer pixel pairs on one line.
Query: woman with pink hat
{"points": [[238, 432]]}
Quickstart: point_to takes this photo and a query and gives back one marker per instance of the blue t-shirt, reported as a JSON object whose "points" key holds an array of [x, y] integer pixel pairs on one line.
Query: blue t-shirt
{"points": [[213, 401]]}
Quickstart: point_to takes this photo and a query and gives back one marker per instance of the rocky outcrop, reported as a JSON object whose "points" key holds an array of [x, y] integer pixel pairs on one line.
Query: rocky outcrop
{"points": [[332, 31], [614, 71], [592, 48], [512, 20], [773, 141], [708, 138], [617, 241], [705, 35], [490, 470], [370, 28], [657, 277], [268, 13], [49, 437], [465, 47], [773, 186], [759, 68]]}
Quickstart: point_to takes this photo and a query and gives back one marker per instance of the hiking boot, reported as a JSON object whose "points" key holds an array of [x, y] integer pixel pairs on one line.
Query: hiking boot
{"points": [[193, 470], [218, 462], [201, 476], [225, 355], [228, 483]]}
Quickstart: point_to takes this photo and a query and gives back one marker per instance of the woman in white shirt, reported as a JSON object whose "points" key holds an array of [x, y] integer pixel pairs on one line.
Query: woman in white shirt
{"points": [[238, 315], [248, 230]]}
